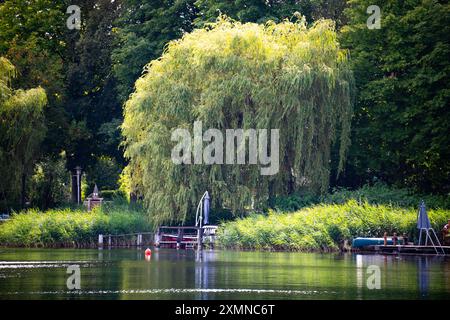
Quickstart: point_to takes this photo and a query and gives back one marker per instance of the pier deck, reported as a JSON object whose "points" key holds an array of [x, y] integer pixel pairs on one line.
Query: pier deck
{"points": [[407, 249]]}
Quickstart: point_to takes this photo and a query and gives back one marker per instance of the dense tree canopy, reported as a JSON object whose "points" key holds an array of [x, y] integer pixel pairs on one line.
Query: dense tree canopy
{"points": [[399, 130], [279, 76], [402, 71], [261, 11], [142, 31], [91, 100], [74, 67]]}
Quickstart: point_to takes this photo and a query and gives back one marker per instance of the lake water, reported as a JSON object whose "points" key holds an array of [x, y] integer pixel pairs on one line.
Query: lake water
{"points": [[187, 274]]}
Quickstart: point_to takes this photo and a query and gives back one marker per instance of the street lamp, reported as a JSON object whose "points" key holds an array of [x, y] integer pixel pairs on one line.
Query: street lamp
{"points": [[78, 172]]}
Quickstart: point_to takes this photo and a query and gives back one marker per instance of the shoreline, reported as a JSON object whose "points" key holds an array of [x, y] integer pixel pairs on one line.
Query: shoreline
{"points": [[235, 249], [218, 247]]}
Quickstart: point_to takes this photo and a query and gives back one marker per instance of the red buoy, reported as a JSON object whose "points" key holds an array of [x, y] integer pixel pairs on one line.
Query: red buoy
{"points": [[148, 252]]}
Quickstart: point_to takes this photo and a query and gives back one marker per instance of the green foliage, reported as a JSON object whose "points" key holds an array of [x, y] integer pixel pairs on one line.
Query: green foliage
{"points": [[399, 131], [36, 19], [50, 183], [145, 27], [142, 31], [83, 113], [261, 11], [382, 194], [67, 227], [93, 108], [32, 38], [105, 173], [234, 75], [294, 202], [322, 227], [402, 72], [377, 193], [112, 194], [22, 129], [7, 72]]}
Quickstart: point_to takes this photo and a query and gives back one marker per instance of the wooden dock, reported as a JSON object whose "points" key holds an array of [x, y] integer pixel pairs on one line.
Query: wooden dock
{"points": [[185, 236], [407, 249]]}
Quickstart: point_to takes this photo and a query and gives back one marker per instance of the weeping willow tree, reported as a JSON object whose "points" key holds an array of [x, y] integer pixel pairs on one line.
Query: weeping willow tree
{"points": [[285, 76], [22, 129]]}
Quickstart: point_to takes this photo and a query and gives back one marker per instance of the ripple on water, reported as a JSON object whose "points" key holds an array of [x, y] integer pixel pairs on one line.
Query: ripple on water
{"points": [[43, 264], [177, 291]]}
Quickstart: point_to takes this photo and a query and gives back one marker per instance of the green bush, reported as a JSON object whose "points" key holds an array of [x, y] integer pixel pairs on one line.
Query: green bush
{"points": [[294, 202], [105, 173], [49, 186], [378, 193], [67, 227], [323, 226], [112, 194]]}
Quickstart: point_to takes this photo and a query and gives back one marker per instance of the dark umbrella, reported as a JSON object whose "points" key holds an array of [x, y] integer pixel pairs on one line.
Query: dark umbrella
{"points": [[206, 208], [422, 220]]}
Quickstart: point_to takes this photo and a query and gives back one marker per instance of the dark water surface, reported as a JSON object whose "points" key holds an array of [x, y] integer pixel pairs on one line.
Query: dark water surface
{"points": [[187, 274]]}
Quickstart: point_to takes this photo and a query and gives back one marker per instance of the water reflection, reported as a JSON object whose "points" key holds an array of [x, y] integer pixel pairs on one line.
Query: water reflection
{"points": [[365, 264], [204, 270], [214, 274], [359, 274], [420, 276], [423, 275]]}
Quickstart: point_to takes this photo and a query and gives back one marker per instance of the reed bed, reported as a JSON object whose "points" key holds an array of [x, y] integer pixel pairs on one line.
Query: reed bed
{"points": [[322, 227]]}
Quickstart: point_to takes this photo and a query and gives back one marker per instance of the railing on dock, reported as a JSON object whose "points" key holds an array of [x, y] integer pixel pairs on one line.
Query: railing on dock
{"points": [[179, 237], [406, 249], [126, 240]]}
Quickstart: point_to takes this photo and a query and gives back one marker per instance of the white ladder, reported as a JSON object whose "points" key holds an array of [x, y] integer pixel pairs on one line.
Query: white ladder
{"points": [[428, 236]]}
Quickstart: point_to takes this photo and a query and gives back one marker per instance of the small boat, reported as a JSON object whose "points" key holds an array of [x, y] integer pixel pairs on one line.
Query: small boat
{"points": [[364, 242]]}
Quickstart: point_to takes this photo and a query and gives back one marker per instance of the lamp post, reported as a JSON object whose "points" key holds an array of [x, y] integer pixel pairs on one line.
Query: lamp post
{"points": [[78, 172]]}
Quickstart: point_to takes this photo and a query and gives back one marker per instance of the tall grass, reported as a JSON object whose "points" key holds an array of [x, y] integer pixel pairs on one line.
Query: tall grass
{"points": [[322, 227], [68, 227]]}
